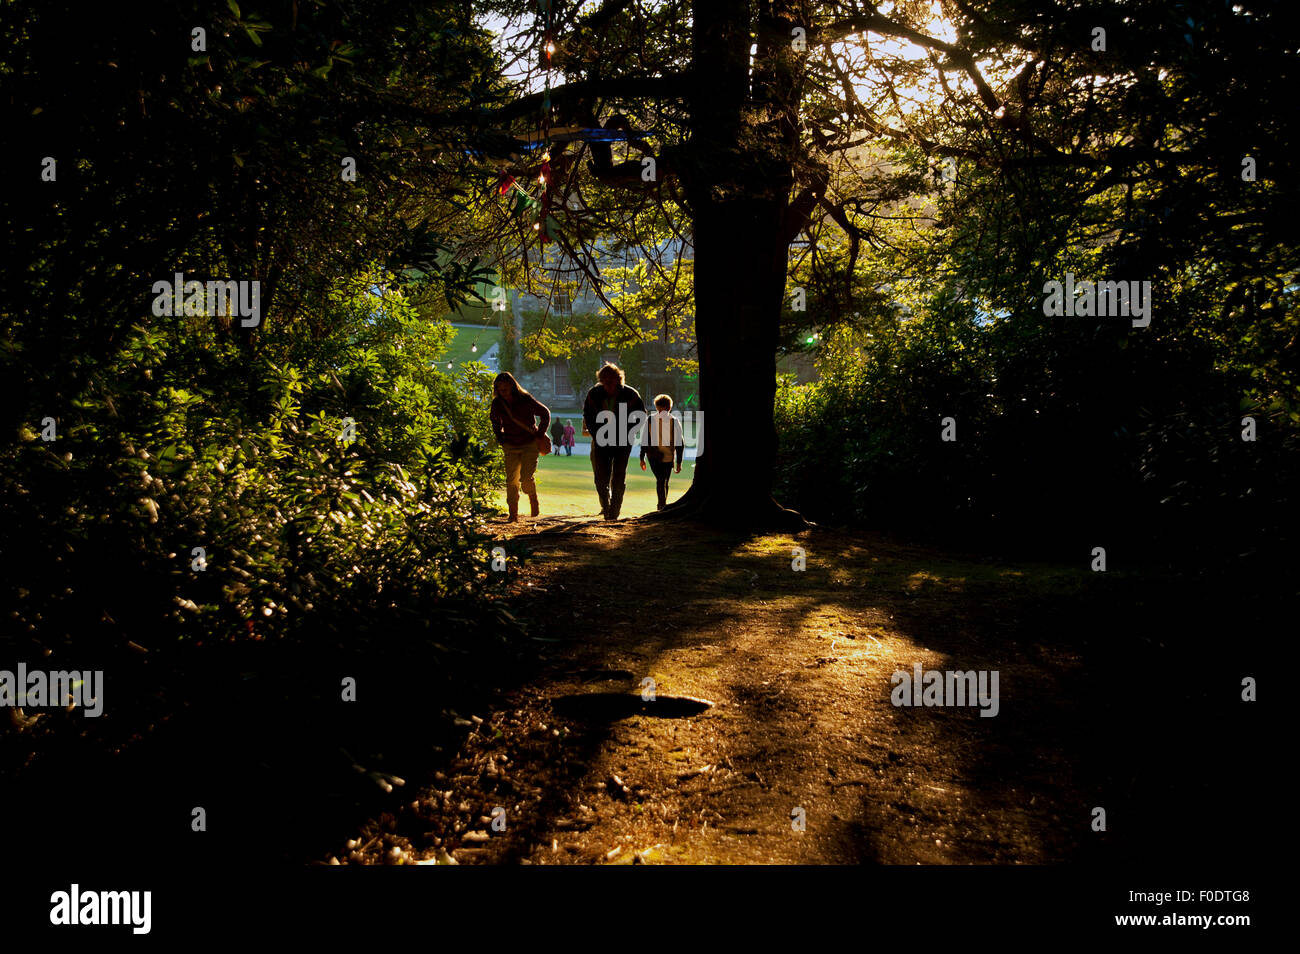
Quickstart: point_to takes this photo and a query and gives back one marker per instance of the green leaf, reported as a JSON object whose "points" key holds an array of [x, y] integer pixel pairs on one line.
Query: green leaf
{"points": [[234, 7]]}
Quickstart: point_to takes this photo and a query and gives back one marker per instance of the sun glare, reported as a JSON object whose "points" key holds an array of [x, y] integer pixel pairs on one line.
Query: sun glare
{"points": [[877, 62]]}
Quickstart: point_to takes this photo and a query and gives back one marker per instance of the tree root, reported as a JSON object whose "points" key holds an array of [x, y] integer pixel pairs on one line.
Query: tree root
{"points": [[732, 514]]}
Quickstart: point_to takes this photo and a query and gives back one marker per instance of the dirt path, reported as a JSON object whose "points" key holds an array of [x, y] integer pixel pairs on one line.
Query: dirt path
{"points": [[797, 666]]}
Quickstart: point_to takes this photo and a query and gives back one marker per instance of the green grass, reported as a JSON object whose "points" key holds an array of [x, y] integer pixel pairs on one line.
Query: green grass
{"points": [[458, 351], [565, 487]]}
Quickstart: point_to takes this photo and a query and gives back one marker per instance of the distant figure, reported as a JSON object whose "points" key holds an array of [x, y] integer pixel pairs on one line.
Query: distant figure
{"points": [[512, 415], [557, 435], [569, 435], [662, 442], [612, 413]]}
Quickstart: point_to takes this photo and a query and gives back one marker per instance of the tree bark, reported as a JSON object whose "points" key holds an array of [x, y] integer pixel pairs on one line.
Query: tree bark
{"points": [[737, 180]]}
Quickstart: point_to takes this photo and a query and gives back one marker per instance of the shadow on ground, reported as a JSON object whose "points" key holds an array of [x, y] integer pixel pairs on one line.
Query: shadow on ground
{"points": [[1118, 691]]}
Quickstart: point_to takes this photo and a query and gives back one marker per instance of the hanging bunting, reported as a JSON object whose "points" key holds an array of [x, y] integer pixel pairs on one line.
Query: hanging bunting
{"points": [[522, 202], [548, 47]]}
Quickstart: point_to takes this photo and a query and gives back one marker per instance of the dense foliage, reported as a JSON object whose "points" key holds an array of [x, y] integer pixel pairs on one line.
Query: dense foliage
{"points": [[183, 441], [1048, 450], [204, 504], [1128, 166], [176, 431]]}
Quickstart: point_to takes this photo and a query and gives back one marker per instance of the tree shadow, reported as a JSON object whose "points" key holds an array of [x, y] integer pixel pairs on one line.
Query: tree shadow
{"points": [[1019, 787]]}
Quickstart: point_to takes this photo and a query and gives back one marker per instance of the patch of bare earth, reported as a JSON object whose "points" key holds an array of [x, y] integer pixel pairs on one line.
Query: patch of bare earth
{"points": [[802, 757]]}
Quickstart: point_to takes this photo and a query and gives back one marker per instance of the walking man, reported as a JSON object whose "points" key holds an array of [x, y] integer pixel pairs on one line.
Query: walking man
{"points": [[614, 414]]}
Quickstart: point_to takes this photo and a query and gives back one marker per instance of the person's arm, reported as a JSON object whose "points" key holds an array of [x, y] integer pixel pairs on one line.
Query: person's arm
{"points": [[494, 417], [544, 413], [642, 437], [589, 414], [635, 405]]}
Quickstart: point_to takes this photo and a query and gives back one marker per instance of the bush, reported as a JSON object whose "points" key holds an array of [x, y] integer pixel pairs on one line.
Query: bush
{"points": [[1066, 432]]}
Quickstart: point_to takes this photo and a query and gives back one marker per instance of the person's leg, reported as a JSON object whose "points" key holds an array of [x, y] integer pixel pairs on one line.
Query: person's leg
{"points": [[662, 472], [526, 478], [600, 468], [514, 461], [618, 480]]}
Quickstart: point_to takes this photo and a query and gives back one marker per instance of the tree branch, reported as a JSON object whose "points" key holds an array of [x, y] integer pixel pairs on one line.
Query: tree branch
{"points": [[877, 23], [668, 86]]}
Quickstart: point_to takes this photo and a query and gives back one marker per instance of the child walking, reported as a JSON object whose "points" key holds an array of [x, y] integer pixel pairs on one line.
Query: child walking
{"points": [[662, 443]]}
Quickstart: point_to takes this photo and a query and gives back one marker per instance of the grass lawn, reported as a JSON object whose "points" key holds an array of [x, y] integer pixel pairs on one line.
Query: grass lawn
{"points": [[565, 487], [458, 351]]}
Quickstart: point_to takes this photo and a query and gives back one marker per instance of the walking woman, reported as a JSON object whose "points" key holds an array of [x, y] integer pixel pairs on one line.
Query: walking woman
{"points": [[513, 414]]}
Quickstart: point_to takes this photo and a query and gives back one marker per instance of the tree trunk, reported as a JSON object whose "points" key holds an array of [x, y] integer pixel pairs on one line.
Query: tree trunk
{"points": [[737, 181]]}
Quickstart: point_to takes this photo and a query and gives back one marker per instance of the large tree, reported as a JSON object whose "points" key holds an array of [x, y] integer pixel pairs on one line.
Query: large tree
{"points": [[742, 143]]}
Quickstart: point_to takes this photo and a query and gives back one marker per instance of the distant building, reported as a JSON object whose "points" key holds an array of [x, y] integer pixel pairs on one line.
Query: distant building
{"points": [[555, 384]]}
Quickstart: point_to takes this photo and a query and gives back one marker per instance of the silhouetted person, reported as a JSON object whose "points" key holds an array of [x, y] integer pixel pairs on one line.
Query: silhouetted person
{"points": [[569, 434], [613, 413], [661, 442], [512, 415]]}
